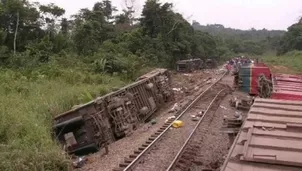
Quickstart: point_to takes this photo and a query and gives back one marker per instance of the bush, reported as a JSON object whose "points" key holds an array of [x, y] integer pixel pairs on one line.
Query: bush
{"points": [[292, 60]]}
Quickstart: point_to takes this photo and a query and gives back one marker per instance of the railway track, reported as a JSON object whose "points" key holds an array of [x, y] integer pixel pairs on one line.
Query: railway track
{"points": [[160, 149], [188, 153]]}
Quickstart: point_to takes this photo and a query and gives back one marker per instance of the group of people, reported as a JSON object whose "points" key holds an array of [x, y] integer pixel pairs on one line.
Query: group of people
{"points": [[240, 60], [236, 62]]}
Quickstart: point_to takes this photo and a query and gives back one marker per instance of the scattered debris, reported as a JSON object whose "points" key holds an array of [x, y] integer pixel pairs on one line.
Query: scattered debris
{"points": [[174, 108], [146, 127], [231, 126], [170, 117], [195, 118], [176, 89], [188, 75], [223, 107], [153, 122], [80, 162], [238, 115], [200, 114], [209, 82], [243, 104], [178, 124]]}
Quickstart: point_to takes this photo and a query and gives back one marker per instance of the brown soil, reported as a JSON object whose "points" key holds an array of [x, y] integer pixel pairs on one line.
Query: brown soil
{"points": [[282, 69]]}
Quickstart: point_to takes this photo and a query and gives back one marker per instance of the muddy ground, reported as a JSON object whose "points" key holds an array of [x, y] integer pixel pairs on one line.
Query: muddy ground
{"points": [[185, 86]]}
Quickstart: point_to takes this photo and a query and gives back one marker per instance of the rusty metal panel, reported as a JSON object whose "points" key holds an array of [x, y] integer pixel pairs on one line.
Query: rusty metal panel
{"points": [[270, 138], [288, 78], [288, 87]]}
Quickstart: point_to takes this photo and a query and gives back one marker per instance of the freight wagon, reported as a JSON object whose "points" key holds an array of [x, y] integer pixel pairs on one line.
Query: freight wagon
{"points": [[270, 138], [189, 65], [97, 123], [210, 64], [248, 77]]}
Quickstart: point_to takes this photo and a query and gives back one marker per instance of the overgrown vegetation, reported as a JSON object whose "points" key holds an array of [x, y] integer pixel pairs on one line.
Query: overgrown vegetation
{"points": [[289, 63], [289, 51], [49, 63]]}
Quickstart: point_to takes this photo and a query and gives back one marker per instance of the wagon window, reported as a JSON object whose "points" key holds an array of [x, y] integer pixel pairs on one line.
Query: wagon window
{"points": [[182, 66]]}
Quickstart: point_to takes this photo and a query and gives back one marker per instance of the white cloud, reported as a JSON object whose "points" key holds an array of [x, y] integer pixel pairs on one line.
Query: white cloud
{"points": [[242, 14]]}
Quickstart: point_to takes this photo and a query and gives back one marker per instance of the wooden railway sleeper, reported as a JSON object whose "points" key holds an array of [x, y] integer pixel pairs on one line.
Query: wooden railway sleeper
{"points": [[181, 166], [151, 138], [137, 152], [145, 145], [141, 148], [184, 161], [128, 160], [133, 156], [123, 164]]}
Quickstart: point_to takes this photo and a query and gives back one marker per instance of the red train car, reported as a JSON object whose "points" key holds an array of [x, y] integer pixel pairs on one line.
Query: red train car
{"points": [[249, 75]]}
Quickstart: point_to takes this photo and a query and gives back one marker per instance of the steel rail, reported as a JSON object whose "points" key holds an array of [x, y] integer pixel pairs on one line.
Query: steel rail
{"points": [[134, 162], [193, 132]]}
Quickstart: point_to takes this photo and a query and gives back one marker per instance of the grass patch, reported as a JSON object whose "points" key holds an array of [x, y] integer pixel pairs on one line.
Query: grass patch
{"points": [[28, 102], [290, 63]]}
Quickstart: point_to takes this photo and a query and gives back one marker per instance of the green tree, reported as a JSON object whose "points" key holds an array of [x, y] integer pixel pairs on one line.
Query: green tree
{"points": [[292, 40]]}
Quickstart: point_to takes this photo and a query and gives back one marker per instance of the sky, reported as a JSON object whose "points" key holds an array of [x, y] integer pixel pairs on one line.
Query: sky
{"points": [[240, 14]]}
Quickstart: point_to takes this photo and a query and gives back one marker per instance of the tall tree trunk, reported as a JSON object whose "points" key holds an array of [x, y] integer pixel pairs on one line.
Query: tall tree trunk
{"points": [[16, 32]]}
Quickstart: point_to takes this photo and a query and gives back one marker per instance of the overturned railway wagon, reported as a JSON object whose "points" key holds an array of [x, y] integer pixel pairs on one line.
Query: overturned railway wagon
{"points": [[97, 123], [270, 138], [210, 64], [189, 65]]}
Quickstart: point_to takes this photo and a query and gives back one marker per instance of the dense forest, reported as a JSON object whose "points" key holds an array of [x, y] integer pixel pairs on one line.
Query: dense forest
{"points": [[50, 63], [33, 34], [254, 42]]}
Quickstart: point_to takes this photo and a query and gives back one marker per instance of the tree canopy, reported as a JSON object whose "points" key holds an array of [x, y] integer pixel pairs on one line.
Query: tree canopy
{"points": [[252, 41], [159, 36], [292, 40]]}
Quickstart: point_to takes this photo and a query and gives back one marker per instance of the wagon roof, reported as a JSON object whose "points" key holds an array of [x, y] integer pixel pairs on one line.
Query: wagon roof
{"points": [[286, 86], [188, 60], [270, 138]]}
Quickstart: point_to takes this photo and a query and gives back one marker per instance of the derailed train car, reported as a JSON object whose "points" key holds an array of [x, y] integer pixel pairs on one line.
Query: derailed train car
{"points": [[189, 65], [96, 124]]}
